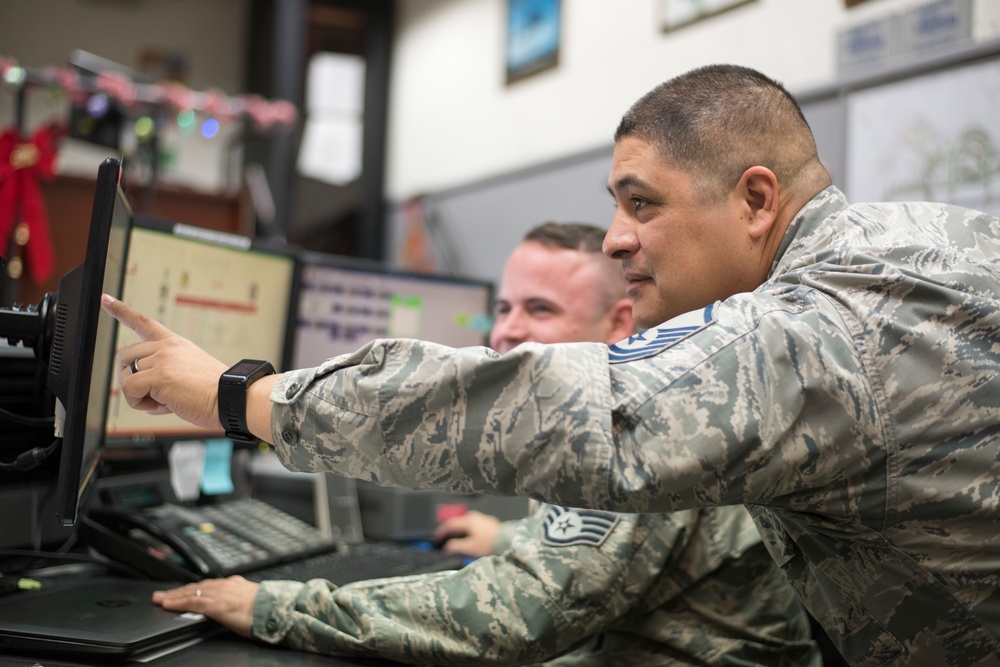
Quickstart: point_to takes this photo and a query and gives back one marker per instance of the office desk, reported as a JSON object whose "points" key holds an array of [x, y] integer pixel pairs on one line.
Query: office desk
{"points": [[224, 650]]}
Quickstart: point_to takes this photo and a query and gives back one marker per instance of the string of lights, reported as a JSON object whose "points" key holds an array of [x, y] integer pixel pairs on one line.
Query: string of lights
{"points": [[147, 101]]}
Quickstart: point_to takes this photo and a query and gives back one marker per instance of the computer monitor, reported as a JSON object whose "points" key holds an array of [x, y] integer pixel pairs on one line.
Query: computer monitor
{"points": [[82, 352], [228, 294], [343, 303]]}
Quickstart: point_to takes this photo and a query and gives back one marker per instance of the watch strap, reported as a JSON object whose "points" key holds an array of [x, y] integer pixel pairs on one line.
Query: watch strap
{"points": [[233, 386]]}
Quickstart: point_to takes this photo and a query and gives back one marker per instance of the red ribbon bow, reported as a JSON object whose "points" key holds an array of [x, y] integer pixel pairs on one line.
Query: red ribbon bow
{"points": [[22, 165]]}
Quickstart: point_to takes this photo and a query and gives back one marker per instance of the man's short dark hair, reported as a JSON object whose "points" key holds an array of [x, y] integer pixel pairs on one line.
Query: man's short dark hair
{"points": [[717, 121], [568, 235], [589, 239]]}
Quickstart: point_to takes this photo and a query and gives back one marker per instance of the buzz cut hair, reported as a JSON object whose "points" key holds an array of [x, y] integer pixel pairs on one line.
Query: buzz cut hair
{"points": [[569, 235], [588, 239], [715, 122]]}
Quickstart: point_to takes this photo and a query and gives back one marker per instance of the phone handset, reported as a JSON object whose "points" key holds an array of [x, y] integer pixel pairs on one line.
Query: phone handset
{"points": [[150, 544]]}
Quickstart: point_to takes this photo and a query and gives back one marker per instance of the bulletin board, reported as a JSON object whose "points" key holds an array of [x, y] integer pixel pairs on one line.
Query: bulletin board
{"points": [[923, 131], [933, 137]]}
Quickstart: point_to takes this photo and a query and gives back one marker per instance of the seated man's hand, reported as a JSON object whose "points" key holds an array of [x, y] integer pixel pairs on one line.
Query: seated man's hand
{"points": [[228, 601], [471, 534]]}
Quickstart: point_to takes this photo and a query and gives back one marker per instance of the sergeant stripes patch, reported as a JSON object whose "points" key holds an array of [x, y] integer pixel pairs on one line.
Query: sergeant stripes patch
{"points": [[651, 341], [566, 527]]}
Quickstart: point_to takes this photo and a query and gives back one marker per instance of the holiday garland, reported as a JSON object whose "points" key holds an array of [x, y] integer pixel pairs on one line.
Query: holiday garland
{"points": [[264, 114]]}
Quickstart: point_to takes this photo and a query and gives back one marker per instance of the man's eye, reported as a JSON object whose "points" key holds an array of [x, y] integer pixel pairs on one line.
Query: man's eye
{"points": [[637, 203]]}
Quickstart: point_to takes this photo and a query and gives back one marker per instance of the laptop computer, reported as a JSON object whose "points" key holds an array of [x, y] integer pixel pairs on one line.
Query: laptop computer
{"points": [[97, 616]]}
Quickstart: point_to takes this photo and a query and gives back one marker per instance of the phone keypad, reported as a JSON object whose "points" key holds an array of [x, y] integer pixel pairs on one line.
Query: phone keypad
{"points": [[277, 532], [226, 548]]}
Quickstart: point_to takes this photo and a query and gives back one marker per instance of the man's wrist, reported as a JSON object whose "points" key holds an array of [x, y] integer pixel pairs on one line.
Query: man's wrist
{"points": [[234, 387], [259, 407]]}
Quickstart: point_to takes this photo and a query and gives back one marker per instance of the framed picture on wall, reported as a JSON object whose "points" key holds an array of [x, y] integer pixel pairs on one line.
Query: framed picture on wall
{"points": [[679, 13], [533, 35]]}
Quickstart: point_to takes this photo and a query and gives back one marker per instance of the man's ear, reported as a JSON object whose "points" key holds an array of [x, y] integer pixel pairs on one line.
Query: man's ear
{"points": [[622, 322], [758, 189]]}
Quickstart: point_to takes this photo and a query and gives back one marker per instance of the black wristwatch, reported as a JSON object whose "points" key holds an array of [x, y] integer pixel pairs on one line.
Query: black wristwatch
{"points": [[233, 385]]}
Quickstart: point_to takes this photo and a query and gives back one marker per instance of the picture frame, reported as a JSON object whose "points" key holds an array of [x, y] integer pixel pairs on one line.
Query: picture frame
{"points": [[676, 14], [534, 33]]}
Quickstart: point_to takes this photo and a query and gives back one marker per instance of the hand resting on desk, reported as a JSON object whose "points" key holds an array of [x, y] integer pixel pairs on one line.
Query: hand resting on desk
{"points": [[227, 601]]}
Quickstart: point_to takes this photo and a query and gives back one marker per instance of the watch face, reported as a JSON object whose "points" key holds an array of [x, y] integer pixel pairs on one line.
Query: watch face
{"points": [[244, 368]]}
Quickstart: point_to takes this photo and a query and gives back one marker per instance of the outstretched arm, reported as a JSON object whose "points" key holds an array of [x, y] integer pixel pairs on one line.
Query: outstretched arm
{"points": [[525, 606]]}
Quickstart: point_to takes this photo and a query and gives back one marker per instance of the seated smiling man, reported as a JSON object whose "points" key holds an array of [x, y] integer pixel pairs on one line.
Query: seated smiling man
{"points": [[566, 586]]}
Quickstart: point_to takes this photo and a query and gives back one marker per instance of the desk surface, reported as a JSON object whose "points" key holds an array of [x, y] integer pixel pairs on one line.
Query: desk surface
{"points": [[223, 650]]}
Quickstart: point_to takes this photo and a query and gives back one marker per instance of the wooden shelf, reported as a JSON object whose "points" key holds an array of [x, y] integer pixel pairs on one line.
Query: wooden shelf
{"points": [[69, 200]]}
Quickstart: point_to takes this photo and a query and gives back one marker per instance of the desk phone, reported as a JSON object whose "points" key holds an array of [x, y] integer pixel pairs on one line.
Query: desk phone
{"points": [[172, 542]]}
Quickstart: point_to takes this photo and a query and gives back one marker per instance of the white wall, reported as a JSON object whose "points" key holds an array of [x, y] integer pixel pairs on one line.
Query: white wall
{"points": [[452, 120], [210, 34]]}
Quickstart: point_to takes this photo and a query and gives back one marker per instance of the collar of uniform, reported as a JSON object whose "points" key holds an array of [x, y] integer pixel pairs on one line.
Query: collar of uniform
{"points": [[807, 225]]}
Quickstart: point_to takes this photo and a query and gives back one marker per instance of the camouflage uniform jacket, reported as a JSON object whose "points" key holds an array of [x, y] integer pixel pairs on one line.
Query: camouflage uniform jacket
{"points": [[694, 587], [852, 402]]}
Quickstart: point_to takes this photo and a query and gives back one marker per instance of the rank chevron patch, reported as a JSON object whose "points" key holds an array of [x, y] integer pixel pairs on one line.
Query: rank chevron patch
{"points": [[651, 341], [566, 527]]}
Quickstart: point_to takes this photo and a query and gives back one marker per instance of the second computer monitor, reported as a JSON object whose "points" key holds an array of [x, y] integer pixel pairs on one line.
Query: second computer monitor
{"points": [[343, 304], [228, 295]]}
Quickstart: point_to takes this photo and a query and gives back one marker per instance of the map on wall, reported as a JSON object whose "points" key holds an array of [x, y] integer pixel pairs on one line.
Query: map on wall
{"points": [[936, 137]]}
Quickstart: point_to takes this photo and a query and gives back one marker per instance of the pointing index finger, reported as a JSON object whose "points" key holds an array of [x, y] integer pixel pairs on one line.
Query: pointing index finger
{"points": [[146, 327]]}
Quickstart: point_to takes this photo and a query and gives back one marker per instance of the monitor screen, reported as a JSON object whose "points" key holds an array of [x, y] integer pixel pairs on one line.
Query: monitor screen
{"points": [[344, 303], [82, 352], [224, 292]]}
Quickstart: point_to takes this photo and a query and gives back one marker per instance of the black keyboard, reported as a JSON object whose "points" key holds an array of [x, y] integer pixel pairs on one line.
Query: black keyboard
{"points": [[358, 562]]}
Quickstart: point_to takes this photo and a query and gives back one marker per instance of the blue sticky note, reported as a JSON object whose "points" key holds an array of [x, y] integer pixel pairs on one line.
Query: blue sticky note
{"points": [[216, 477]]}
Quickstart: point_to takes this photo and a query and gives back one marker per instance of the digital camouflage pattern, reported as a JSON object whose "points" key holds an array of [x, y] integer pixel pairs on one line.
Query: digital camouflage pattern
{"points": [[689, 588], [852, 402]]}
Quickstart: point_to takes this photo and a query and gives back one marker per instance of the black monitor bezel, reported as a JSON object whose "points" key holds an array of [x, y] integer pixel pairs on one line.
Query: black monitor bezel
{"points": [[308, 258], [75, 476]]}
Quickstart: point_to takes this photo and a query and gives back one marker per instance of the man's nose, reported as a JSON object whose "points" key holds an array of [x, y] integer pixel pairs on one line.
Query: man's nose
{"points": [[509, 330], [620, 242]]}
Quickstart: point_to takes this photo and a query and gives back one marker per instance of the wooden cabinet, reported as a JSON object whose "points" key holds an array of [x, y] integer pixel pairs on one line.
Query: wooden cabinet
{"points": [[69, 201]]}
